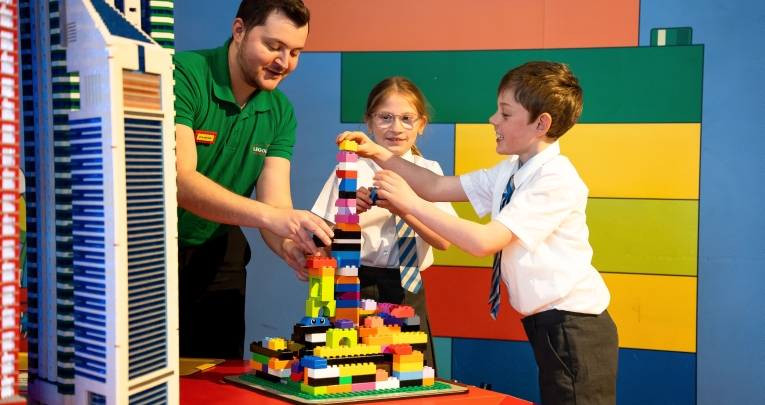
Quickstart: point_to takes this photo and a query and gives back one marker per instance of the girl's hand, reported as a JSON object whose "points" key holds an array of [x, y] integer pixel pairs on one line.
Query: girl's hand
{"points": [[366, 148], [363, 200], [396, 191]]}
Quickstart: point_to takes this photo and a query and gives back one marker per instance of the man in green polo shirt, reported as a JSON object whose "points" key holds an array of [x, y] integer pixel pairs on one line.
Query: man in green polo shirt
{"points": [[234, 134]]}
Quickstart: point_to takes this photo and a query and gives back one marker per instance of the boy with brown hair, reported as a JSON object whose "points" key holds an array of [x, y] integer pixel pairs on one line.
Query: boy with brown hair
{"points": [[538, 231]]}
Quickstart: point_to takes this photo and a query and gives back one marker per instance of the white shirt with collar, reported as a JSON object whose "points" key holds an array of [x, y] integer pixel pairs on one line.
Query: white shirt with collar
{"points": [[550, 266], [379, 246]]}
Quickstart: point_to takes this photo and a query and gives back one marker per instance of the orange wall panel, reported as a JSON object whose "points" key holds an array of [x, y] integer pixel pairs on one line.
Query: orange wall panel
{"points": [[591, 23], [443, 25]]}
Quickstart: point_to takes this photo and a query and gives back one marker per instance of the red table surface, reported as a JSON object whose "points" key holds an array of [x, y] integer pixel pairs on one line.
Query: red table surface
{"points": [[206, 388]]}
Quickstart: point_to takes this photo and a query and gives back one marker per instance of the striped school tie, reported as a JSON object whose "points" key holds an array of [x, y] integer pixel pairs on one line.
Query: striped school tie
{"points": [[497, 272], [407, 257]]}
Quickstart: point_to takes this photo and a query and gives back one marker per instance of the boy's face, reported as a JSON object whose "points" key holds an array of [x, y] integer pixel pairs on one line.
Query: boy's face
{"points": [[515, 135]]}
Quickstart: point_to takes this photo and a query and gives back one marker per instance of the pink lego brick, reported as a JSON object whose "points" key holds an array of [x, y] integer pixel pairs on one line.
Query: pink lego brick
{"points": [[347, 219], [363, 387], [345, 202], [347, 157]]}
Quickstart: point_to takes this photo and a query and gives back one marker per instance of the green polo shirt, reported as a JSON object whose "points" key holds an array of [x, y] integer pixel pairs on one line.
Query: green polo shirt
{"points": [[244, 136]]}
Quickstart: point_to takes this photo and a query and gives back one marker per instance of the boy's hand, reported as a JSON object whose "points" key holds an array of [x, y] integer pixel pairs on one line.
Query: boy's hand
{"points": [[366, 148], [394, 189], [363, 200]]}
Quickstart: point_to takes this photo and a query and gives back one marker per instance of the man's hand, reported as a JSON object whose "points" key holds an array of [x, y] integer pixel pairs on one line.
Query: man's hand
{"points": [[395, 192], [295, 258], [296, 225], [366, 148]]}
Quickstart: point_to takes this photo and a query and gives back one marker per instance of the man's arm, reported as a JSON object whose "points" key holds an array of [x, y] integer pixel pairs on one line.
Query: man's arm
{"points": [[207, 199], [424, 182], [476, 239]]}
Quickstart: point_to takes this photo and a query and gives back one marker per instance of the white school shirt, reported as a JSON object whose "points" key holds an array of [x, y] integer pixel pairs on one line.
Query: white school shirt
{"points": [[379, 245], [550, 267]]}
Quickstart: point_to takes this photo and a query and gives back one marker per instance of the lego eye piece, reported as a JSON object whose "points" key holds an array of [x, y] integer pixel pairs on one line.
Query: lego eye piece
{"points": [[313, 321], [323, 320]]}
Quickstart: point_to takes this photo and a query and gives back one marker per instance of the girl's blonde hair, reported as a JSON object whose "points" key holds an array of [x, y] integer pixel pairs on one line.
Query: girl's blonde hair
{"points": [[403, 87]]}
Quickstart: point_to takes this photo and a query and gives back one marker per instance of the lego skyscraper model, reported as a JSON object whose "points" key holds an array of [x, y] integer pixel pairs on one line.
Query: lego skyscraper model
{"points": [[101, 185]]}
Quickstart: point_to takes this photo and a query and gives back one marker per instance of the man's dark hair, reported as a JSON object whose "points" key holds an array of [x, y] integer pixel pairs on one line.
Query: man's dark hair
{"points": [[255, 12]]}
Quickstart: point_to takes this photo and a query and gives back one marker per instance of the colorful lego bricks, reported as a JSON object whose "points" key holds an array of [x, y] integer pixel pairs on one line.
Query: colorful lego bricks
{"points": [[344, 345]]}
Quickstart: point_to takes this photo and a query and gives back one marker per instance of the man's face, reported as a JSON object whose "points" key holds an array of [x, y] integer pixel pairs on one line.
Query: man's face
{"points": [[266, 54]]}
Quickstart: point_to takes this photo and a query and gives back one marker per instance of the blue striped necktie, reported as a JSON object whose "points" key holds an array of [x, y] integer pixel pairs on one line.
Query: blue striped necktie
{"points": [[407, 256], [496, 274]]}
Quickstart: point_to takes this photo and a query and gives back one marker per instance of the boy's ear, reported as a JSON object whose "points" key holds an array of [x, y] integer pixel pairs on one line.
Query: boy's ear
{"points": [[543, 123]]}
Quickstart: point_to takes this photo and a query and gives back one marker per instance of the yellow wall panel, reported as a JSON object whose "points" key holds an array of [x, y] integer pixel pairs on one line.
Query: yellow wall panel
{"points": [[654, 312], [455, 256], [614, 160]]}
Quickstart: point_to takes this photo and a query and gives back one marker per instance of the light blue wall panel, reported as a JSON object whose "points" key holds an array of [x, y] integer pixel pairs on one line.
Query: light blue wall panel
{"points": [[202, 24], [731, 307]]}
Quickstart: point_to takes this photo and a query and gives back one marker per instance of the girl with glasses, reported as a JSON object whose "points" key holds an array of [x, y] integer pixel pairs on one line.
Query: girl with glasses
{"points": [[396, 115]]}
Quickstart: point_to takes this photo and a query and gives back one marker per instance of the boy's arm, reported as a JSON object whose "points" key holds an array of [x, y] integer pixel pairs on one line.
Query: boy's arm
{"points": [[424, 182], [476, 239]]}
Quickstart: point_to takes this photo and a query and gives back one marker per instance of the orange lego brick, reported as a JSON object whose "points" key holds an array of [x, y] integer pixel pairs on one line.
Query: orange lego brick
{"points": [[313, 262], [347, 280], [321, 272], [349, 227]]}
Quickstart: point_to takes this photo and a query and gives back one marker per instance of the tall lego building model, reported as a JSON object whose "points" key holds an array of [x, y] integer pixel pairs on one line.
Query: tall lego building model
{"points": [[102, 240], [9, 192], [344, 347]]}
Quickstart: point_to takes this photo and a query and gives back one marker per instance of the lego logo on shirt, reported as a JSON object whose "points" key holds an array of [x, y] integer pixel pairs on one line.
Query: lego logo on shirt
{"points": [[260, 149]]}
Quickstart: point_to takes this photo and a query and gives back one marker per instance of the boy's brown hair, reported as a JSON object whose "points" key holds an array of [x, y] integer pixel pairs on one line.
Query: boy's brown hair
{"points": [[546, 87]]}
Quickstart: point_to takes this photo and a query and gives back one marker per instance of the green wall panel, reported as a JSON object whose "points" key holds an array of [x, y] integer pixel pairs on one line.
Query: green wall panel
{"points": [[621, 85], [644, 236]]}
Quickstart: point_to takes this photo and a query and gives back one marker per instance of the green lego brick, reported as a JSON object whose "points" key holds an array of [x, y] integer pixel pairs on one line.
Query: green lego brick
{"points": [[671, 36], [346, 380], [260, 358]]}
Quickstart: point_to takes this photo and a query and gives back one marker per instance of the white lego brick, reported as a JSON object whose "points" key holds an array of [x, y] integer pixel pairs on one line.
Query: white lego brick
{"points": [[428, 372], [329, 372], [285, 373], [348, 271], [346, 210], [368, 305], [348, 166], [391, 383], [316, 337]]}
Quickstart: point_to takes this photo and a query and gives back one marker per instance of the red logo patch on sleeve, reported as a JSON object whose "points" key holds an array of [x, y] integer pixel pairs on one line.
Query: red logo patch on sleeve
{"points": [[205, 137]]}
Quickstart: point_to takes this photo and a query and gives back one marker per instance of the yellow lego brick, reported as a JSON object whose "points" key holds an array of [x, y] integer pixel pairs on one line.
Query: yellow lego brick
{"points": [[321, 288], [427, 382], [415, 357], [403, 367], [338, 389], [357, 369], [277, 364], [313, 390], [349, 146], [342, 337], [294, 346], [367, 312], [322, 272], [410, 337], [377, 340], [277, 344], [361, 349], [313, 306]]}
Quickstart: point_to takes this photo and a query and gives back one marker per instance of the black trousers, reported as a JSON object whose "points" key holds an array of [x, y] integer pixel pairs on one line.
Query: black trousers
{"points": [[384, 285], [577, 356], [211, 285]]}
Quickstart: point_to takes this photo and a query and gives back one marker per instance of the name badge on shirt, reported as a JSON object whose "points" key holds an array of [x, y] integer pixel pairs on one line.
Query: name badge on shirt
{"points": [[205, 137]]}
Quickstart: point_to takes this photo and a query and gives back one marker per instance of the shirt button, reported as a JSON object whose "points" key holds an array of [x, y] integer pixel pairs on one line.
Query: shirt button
{"points": [[391, 230], [385, 253]]}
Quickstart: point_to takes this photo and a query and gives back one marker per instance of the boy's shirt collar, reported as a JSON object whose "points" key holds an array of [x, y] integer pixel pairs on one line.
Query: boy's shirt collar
{"points": [[522, 172]]}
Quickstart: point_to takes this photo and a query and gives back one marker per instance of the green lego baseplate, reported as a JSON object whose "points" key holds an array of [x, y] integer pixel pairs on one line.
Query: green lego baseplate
{"points": [[287, 392]]}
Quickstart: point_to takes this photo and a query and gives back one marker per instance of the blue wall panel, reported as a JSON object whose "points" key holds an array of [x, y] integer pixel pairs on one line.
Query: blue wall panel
{"points": [[442, 347], [508, 366], [656, 377], [731, 306]]}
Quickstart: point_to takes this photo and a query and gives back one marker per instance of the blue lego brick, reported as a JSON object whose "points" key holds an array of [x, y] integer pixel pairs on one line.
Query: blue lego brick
{"points": [[347, 259], [347, 303], [407, 375], [347, 288], [320, 321], [347, 185], [373, 195], [316, 363]]}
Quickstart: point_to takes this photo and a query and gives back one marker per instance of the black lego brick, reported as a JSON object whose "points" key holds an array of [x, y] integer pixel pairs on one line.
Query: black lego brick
{"points": [[324, 382], [358, 379], [369, 358], [256, 347], [267, 376], [410, 383]]}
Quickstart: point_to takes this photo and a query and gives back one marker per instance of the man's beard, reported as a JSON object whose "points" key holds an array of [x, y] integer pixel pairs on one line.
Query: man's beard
{"points": [[248, 75]]}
